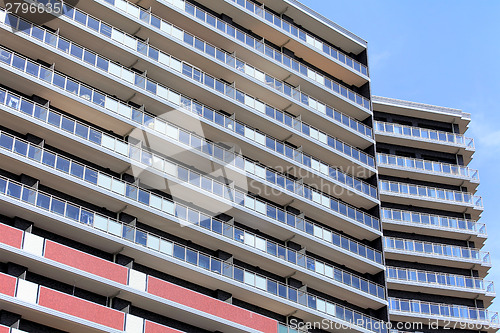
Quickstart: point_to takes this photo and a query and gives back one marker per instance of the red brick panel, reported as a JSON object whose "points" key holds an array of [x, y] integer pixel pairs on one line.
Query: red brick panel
{"points": [[11, 236], [157, 328], [85, 262], [81, 308], [211, 305], [7, 285]]}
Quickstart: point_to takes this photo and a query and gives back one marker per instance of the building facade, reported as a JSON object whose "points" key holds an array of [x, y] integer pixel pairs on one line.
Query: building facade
{"points": [[435, 267], [212, 166]]}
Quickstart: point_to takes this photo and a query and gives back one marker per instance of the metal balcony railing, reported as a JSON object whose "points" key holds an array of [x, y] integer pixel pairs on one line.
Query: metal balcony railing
{"points": [[424, 134], [429, 278], [433, 193], [249, 41], [299, 34], [417, 218], [437, 250], [178, 252], [438, 168], [117, 187], [245, 39], [96, 137], [444, 311], [165, 93]]}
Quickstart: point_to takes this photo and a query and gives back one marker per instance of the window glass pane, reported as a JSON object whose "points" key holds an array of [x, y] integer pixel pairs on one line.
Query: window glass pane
{"points": [[35, 153], [59, 81], [29, 195], [14, 190], [32, 68], [49, 158], [57, 206], [19, 62], [63, 45], [62, 164], [6, 141], [43, 201]]}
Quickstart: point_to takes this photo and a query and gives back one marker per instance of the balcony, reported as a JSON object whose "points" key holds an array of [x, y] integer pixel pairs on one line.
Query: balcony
{"points": [[243, 281], [436, 172], [159, 97], [431, 197], [351, 129], [321, 25], [437, 254], [88, 139], [270, 60], [252, 138], [315, 236], [242, 165], [6, 329], [65, 311], [295, 259], [171, 133], [434, 225], [55, 309], [425, 139], [73, 267], [440, 283], [358, 290], [466, 317], [280, 32], [259, 82], [37, 155], [100, 100]]}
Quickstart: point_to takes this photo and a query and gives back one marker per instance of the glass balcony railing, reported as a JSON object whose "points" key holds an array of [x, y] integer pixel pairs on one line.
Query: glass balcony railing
{"points": [[245, 67], [431, 193], [157, 125], [433, 220], [96, 137], [180, 174], [181, 253], [239, 37], [196, 142], [152, 200], [47, 75], [164, 93], [439, 279], [106, 65], [444, 311], [424, 134], [437, 250], [438, 168], [299, 34], [152, 53]]}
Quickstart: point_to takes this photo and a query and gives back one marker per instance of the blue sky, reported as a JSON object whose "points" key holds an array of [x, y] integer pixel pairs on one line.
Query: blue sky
{"points": [[444, 53]]}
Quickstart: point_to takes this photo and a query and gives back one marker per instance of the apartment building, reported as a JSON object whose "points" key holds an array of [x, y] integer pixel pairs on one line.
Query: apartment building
{"points": [[171, 166], [210, 166], [433, 239]]}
